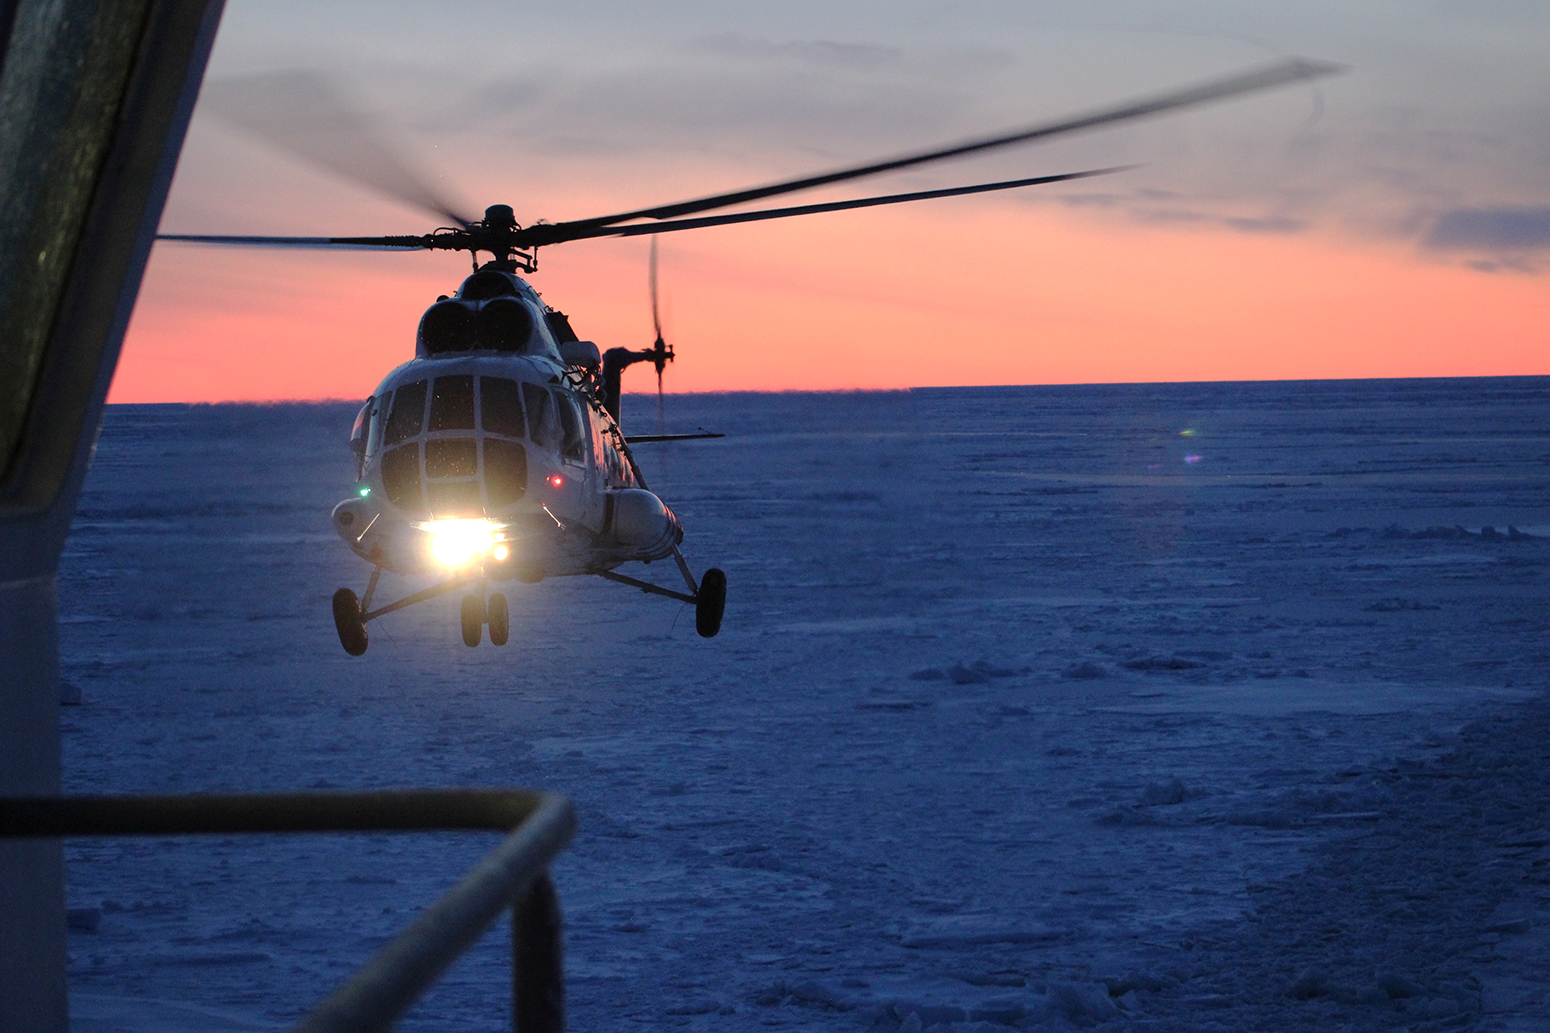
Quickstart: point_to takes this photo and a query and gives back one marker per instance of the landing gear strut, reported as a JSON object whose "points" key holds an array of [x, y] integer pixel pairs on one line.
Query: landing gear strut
{"points": [[351, 614], [709, 596]]}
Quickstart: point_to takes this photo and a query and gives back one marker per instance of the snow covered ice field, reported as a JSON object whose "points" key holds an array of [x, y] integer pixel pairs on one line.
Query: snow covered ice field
{"points": [[1171, 707]]}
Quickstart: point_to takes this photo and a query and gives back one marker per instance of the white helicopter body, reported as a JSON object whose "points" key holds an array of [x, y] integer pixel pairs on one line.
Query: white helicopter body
{"points": [[493, 455]]}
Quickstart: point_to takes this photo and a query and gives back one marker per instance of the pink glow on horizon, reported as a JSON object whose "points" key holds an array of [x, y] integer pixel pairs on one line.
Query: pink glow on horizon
{"points": [[998, 296]]}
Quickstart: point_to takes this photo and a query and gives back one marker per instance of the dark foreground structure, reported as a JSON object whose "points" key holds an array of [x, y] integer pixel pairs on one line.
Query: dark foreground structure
{"points": [[95, 98], [94, 101]]}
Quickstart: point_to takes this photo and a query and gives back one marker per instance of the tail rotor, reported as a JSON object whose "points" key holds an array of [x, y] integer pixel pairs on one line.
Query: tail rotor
{"points": [[661, 352]]}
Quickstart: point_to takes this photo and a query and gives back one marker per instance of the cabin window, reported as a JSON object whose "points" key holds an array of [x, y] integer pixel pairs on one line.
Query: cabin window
{"points": [[408, 414], [540, 416], [452, 404], [505, 472], [401, 476], [451, 457], [454, 499], [574, 446], [500, 406]]}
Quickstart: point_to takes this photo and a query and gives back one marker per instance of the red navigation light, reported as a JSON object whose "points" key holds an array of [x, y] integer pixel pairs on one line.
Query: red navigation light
{"points": [[556, 480]]}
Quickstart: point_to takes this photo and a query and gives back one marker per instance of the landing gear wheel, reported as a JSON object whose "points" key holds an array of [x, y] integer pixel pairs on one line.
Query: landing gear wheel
{"points": [[347, 619], [473, 620], [712, 602], [499, 618]]}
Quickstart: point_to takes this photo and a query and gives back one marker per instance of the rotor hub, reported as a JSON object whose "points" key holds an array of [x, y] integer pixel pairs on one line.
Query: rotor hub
{"points": [[500, 216]]}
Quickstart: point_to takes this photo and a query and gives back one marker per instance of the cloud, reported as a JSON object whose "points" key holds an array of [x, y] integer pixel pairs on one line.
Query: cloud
{"points": [[1270, 224], [1491, 229], [817, 52], [811, 113], [1440, 123]]}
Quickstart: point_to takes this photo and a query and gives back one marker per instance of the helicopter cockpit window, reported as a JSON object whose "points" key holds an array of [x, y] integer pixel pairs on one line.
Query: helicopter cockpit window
{"points": [[452, 404], [379, 412], [358, 435], [451, 457], [574, 447], [401, 476], [540, 416], [358, 430], [500, 406], [505, 472], [408, 414], [455, 499]]}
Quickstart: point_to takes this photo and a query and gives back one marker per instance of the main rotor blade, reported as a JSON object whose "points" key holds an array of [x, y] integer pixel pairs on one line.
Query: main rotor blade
{"points": [[301, 112], [540, 235], [325, 243], [1219, 89]]}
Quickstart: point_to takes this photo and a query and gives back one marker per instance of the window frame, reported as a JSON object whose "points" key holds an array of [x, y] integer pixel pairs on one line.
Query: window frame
{"points": [[448, 400], [522, 427], [419, 428]]}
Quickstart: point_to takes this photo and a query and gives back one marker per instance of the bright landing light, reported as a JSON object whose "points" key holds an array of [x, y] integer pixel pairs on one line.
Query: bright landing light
{"points": [[455, 542]]}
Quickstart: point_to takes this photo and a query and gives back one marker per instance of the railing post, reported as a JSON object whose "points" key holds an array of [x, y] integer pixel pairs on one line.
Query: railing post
{"points": [[537, 964]]}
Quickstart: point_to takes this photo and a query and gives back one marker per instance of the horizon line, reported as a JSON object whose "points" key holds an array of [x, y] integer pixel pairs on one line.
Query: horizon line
{"points": [[923, 387]]}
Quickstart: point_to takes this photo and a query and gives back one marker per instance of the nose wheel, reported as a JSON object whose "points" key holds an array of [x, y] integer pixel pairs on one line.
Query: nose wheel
{"points": [[473, 620], [476, 613], [348, 621], [498, 617]]}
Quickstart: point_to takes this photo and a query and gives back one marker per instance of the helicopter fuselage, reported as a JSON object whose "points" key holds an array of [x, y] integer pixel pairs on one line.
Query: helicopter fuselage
{"points": [[490, 456]]}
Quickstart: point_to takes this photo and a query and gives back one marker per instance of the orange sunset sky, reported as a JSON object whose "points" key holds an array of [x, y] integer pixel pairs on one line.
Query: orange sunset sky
{"points": [[1387, 223]]}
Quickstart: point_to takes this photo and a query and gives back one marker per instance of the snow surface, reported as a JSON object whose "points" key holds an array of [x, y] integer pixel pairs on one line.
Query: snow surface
{"points": [[1029, 710]]}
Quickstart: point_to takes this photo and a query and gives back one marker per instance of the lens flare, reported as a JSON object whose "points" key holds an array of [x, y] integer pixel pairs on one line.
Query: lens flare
{"points": [[501, 552], [455, 542]]}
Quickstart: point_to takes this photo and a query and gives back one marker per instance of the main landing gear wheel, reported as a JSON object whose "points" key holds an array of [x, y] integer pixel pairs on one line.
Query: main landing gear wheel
{"points": [[347, 618], [473, 620], [499, 618], [712, 602]]}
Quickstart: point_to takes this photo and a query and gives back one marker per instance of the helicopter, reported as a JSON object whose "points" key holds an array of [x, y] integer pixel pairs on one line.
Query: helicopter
{"points": [[497, 452]]}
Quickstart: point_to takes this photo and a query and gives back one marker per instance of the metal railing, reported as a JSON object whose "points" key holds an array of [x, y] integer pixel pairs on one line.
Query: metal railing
{"points": [[514, 874]]}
